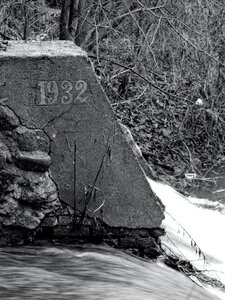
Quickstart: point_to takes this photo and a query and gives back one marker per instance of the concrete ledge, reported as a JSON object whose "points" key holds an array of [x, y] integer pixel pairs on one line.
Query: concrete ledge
{"points": [[41, 49]]}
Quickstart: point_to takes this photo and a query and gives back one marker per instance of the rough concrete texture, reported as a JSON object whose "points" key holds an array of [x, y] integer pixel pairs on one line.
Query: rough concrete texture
{"points": [[51, 86]]}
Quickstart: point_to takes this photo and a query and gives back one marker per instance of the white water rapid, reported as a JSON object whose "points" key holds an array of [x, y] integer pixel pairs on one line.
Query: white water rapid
{"points": [[186, 221]]}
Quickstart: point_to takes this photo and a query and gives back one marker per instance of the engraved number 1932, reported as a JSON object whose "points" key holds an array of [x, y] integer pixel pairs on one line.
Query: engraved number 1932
{"points": [[49, 92]]}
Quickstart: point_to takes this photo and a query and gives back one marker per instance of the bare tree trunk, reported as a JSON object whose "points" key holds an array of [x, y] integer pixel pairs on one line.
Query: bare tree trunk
{"points": [[74, 21], [64, 21], [70, 21]]}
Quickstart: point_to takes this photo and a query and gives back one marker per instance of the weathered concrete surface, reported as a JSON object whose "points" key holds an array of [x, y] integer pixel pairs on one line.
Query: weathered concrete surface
{"points": [[51, 86]]}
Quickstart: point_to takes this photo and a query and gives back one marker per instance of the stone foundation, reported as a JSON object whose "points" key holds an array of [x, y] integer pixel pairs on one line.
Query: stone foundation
{"points": [[30, 210], [60, 228], [62, 149]]}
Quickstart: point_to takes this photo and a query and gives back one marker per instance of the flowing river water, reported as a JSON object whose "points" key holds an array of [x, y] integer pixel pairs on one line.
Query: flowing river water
{"points": [[89, 272]]}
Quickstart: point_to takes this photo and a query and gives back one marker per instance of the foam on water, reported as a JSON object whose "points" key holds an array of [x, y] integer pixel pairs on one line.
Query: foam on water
{"points": [[186, 221]]}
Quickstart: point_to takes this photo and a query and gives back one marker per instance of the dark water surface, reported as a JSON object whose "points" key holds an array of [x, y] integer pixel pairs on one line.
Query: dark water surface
{"points": [[89, 272]]}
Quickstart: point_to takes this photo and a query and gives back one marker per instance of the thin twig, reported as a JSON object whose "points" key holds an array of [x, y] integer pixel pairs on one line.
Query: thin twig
{"points": [[193, 243]]}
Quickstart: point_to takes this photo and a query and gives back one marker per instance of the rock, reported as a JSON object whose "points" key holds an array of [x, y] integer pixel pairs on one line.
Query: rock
{"points": [[33, 161], [130, 233], [38, 188], [31, 139], [65, 220], [26, 198], [128, 242], [49, 222], [23, 217], [8, 119], [16, 235], [4, 152], [152, 252], [43, 141], [26, 139], [5, 155], [7, 177], [64, 232], [157, 232], [28, 219], [8, 206], [9, 220], [60, 210], [145, 242]]}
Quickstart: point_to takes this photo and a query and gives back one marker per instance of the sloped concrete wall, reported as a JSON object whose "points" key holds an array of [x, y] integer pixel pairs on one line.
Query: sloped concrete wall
{"points": [[51, 87]]}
